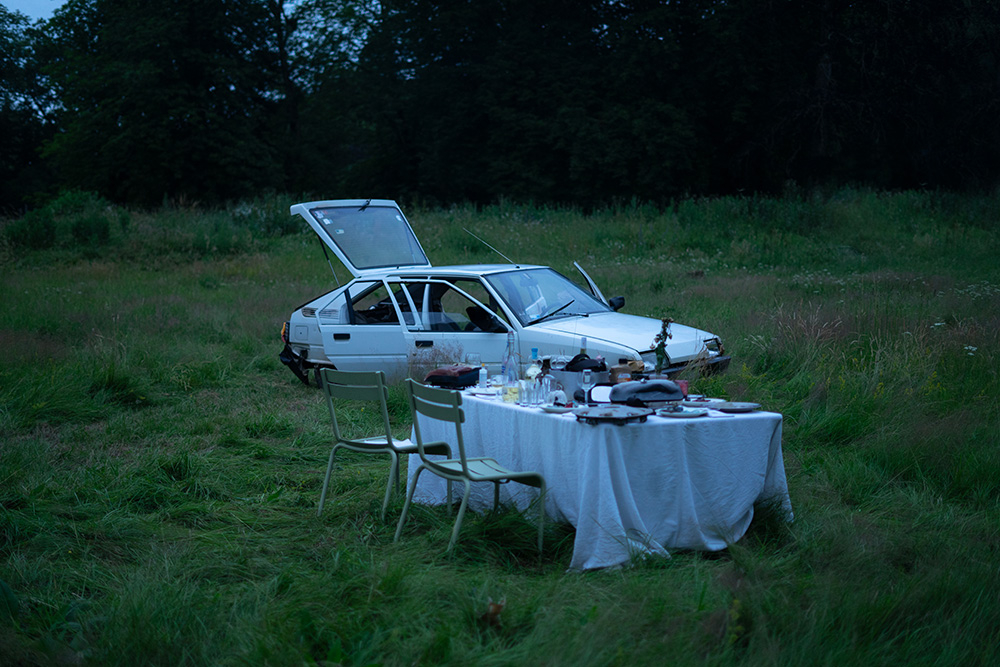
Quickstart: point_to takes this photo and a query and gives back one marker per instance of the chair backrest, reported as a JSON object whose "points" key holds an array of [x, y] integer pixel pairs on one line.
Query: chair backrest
{"points": [[355, 386], [441, 404]]}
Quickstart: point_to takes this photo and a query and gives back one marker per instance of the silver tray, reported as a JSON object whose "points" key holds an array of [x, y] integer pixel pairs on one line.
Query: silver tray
{"points": [[614, 414], [735, 406]]}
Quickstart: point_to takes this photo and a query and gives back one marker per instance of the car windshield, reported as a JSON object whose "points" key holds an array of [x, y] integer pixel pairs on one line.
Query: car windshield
{"points": [[371, 237], [536, 293]]}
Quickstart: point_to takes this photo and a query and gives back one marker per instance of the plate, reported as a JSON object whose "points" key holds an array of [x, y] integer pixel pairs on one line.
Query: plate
{"points": [[557, 409], [701, 402], [683, 413], [615, 414], [493, 393], [733, 406]]}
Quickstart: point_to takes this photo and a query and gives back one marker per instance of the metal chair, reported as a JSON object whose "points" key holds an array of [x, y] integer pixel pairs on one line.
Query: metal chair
{"points": [[366, 386], [446, 405]]}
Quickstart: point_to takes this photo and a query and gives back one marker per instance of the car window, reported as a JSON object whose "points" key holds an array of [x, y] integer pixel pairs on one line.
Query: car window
{"points": [[533, 293], [408, 298], [372, 304], [478, 291], [371, 237], [439, 306]]}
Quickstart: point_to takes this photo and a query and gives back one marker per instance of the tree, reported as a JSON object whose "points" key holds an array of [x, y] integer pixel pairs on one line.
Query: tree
{"points": [[25, 106], [180, 98]]}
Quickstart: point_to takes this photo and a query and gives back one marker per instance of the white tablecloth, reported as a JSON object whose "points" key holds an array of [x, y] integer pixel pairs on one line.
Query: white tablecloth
{"points": [[667, 483]]}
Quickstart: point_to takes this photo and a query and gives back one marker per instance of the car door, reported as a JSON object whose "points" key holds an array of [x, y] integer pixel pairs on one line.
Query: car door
{"points": [[594, 289], [444, 324], [361, 329]]}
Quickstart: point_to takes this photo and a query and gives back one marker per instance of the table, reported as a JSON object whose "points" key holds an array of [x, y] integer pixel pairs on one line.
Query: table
{"points": [[667, 483]]}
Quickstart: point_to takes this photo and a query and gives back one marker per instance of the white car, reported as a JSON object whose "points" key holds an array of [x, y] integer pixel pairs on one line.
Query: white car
{"points": [[404, 316]]}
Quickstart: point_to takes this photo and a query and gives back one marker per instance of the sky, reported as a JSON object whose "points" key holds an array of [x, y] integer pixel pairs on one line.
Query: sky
{"points": [[34, 9]]}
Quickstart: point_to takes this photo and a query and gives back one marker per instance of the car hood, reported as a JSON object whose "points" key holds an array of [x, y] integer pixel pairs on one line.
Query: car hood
{"points": [[631, 330]]}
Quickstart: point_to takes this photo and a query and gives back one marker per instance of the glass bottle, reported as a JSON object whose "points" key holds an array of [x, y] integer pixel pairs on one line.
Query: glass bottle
{"points": [[534, 369], [508, 364]]}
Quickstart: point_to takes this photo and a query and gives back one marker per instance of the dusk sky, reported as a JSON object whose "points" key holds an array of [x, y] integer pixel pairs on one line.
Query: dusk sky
{"points": [[36, 9]]}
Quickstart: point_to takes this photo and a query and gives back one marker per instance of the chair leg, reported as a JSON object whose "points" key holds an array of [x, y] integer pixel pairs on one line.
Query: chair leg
{"points": [[461, 514], [541, 517], [393, 474], [406, 505], [326, 481]]}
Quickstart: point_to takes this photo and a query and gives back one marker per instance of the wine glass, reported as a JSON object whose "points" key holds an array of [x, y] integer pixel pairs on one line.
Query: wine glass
{"points": [[586, 383]]}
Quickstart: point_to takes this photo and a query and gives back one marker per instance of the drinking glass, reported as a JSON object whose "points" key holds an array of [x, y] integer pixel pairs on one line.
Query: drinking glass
{"points": [[545, 389], [683, 386], [536, 393], [586, 383], [524, 392]]}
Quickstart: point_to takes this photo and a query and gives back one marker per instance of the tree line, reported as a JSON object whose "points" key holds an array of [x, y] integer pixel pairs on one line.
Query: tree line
{"points": [[566, 101]]}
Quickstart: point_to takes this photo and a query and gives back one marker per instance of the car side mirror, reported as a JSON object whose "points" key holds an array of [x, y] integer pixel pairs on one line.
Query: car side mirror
{"points": [[616, 303]]}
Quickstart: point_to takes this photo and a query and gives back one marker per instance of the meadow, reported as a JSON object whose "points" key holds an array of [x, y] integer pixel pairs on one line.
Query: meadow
{"points": [[160, 469]]}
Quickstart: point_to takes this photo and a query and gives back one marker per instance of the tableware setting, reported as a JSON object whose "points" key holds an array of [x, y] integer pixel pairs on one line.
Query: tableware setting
{"points": [[488, 392], [681, 412], [700, 401], [735, 407], [615, 414]]}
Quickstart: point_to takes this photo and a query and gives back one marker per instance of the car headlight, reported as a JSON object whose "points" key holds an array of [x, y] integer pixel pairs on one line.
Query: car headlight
{"points": [[714, 345]]}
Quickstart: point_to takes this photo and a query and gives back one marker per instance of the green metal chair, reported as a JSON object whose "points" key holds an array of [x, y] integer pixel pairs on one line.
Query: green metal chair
{"points": [[366, 386], [446, 405]]}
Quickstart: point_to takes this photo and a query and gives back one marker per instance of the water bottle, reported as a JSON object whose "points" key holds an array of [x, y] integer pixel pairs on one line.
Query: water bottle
{"points": [[482, 376], [508, 368]]}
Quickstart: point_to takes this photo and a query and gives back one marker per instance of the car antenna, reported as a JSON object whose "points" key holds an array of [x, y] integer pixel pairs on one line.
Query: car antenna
{"points": [[509, 260]]}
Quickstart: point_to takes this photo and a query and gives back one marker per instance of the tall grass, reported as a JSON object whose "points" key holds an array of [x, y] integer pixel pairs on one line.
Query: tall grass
{"points": [[159, 469]]}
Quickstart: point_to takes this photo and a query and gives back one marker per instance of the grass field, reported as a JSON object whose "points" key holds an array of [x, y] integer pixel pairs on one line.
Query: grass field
{"points": [[160, 469]]}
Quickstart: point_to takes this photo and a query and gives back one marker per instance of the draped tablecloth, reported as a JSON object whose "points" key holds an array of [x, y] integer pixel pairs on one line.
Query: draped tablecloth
{"points": [[636, 488]]}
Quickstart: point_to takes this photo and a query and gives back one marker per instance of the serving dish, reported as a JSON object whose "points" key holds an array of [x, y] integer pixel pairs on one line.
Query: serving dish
{"points": [[701, 402], [735, 406], [615, 414], [682, 413]]}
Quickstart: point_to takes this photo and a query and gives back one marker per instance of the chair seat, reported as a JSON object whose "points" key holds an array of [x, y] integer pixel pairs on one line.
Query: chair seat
{"points": [[378, 443], [484, 469]]}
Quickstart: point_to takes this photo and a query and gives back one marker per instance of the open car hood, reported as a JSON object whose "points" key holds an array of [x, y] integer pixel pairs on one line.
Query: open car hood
{"points": [[367, 236], [634, 331]]}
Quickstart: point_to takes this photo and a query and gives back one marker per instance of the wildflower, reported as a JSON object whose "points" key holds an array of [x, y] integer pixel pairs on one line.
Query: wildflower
{"points": [[971, 350]]}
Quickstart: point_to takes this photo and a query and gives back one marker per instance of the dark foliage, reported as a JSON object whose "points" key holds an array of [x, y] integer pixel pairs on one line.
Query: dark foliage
{"points": [[451, 100]]}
